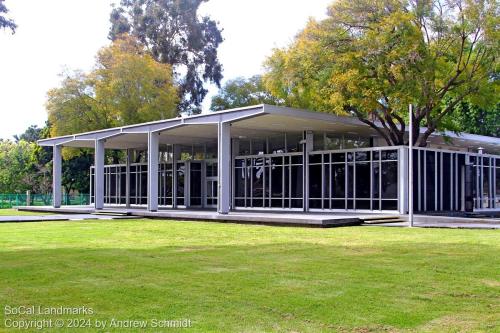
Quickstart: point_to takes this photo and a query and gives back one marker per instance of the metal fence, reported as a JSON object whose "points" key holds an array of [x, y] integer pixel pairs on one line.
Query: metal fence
{"points": [[12, 200]]}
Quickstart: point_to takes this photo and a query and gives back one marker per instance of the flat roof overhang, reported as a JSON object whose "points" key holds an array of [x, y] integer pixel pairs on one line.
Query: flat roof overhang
{"points": [[254, 121]]}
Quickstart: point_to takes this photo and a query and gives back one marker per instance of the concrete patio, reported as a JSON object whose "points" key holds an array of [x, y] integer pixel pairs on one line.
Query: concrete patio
{"points": [[324, 220]]}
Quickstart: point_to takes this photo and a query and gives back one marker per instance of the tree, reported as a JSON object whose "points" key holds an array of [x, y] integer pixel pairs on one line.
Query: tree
{"points": [[128, 86], [241, 92], [76, 172], [35, 174], [372, 58], [5, 22], [175, 34], [16, 164], [32, 134], [474, 119]]}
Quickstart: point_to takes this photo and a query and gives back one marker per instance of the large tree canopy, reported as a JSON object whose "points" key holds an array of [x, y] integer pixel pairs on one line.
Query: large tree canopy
{"points": [[473, 119], [372, 58], [241, 92], [128, 86], [5, 22], [175, 34]]}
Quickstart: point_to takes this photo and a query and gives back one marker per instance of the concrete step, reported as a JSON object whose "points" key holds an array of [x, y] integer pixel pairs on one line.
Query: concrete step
{"points": [[387, 217], [112, 213], [384, 220]]}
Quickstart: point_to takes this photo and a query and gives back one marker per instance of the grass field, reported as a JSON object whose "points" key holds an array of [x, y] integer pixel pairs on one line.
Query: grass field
{"points": [[15, 212], [247, 278]]}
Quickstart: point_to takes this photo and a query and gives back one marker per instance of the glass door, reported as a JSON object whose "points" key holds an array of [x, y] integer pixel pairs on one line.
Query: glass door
{"points": [[195, 184], [211, 182]]}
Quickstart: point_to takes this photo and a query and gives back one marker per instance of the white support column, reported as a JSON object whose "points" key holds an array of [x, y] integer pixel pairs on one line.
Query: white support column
{"points": [[224, 166], [127, 178], [153, 149], [57, 176], [99, 174], [403, 180]]}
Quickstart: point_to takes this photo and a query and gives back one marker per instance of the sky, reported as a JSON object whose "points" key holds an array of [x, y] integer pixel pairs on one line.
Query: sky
{"points": [[59, 35]]}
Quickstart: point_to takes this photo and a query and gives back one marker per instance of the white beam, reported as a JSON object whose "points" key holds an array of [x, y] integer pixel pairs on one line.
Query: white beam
{"points": [[56, 176], [224, 167], [99, 174], [153, 147]]}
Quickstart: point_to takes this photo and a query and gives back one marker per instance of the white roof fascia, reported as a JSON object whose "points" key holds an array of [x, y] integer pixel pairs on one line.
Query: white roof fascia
{"points": [[56, 141], [306, 114], [100, 135]]}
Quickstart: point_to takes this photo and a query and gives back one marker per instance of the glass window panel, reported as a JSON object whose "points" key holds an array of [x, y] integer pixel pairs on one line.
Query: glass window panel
{"points": [[180, 183], [244, 148], [258, 147], [296, 178], [277, 144], [363, 180], [199, 152], [389, 155], [446, 181], [498, 182], [375, 180], [123, 184], [389, 180], [277, 182], [276, 203], [338, 204], [318, 141], [430, 183], [362, 204], [338, 157], [350, 181], [326, 180], [258, 183], [168, 184], [239, 183], [277, 161], [486, 185], [144, 185], [362, 156], [315, 204], [315, 181], [195, 185], [333, 142], [293, 142], [389, 204], [297, 159], [315, 158], [338, 178]]}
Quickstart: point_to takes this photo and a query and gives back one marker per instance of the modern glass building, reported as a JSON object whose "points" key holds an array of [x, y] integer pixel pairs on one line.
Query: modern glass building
{"points": [[282, 159]]}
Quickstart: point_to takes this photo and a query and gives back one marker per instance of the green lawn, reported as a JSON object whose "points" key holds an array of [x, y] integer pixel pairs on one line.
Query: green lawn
{"points": [[247, 278], [15, 212]]}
